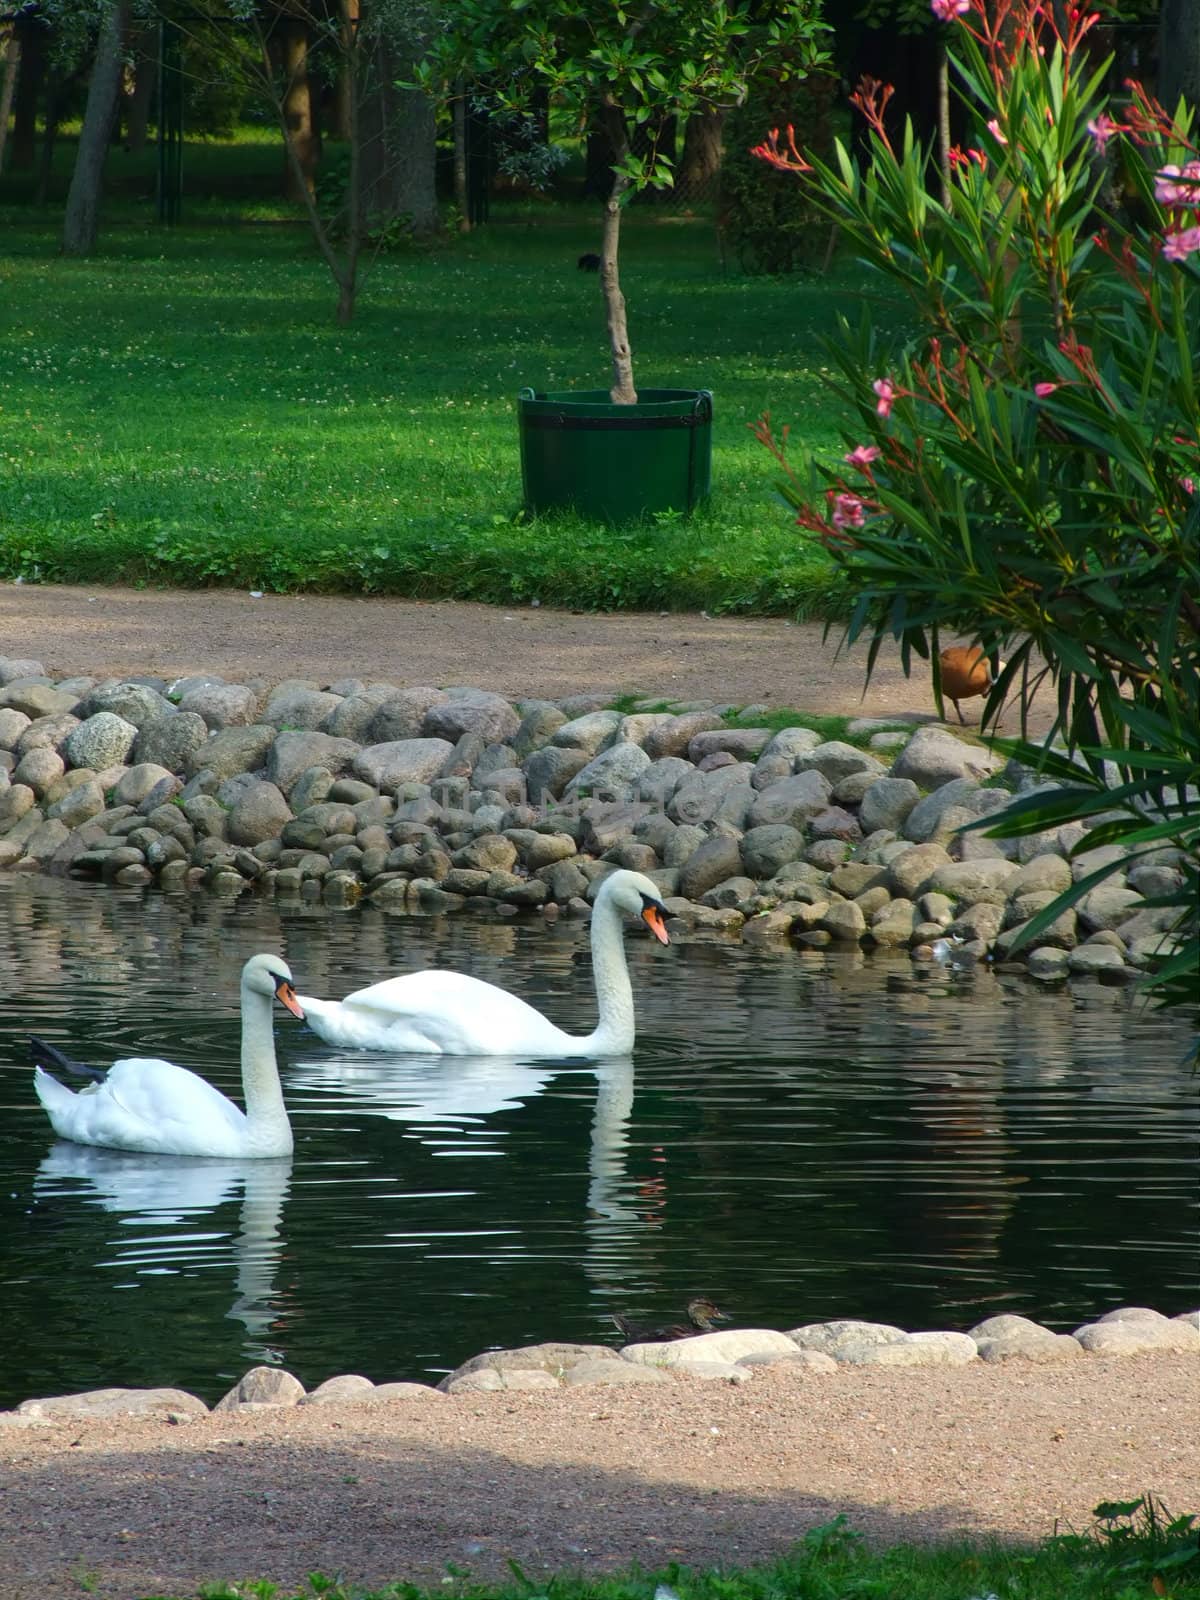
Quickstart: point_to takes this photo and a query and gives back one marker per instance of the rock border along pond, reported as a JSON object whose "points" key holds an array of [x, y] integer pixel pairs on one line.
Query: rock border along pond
{"points": [[732, 1356], [427, 799], [433, 799]]}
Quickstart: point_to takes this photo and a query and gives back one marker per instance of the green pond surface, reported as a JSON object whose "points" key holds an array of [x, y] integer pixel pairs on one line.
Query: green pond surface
{"points": [[801, 1136]]}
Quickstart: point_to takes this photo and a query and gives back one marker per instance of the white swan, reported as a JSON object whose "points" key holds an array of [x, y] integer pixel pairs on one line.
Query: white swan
{"points": [[451, 1013], [156, 1107]]}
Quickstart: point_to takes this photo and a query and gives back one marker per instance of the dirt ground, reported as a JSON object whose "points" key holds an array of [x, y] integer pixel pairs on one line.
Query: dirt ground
{"points": [[535, 652], [693, 1471]]}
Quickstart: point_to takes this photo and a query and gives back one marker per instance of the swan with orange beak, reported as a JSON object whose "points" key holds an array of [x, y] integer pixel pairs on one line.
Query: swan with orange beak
{"points": [[147, 1104], [452, 1013]]}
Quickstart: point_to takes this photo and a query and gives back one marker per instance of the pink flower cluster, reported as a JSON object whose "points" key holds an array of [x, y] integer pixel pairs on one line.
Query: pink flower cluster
{"points": [[947, 10], [1102, 129], [848, 511], [1169, 191], [1178, 246], [1179, 188], [886, 391], [964, 158]]}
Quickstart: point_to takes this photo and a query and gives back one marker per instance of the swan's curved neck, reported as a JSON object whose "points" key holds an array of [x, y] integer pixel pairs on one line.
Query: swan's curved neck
{"points": [[266, 1114], [614, 993]]}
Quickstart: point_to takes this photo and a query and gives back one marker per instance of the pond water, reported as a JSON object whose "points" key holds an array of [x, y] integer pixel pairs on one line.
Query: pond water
{"points": [[800, 1136]]}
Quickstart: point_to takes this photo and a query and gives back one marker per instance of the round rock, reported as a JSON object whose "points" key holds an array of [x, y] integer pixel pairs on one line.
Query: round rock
{"points": [[102, 740]]}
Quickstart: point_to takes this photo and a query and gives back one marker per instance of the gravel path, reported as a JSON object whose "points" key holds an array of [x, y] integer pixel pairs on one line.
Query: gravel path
{"points": [[697, 1472], [524, 651]]}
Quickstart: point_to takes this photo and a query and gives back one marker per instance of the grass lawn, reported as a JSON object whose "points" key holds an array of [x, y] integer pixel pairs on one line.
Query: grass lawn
{"points": [[181, 407]]}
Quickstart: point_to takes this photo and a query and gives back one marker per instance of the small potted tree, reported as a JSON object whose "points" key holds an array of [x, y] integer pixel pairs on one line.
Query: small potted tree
{"points": [[621, 68]]}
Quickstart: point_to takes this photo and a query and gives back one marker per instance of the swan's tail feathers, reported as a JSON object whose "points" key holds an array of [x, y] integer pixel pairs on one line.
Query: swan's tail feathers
{"points": [[46, 1056]]}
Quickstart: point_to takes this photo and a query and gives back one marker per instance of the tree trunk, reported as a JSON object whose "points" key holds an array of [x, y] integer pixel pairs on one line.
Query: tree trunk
{"points": [[943, 119], [81, 222], [398, 147], [23, 150], [462, 199], [11, 41], [343, 271], [622, 392], [1179, 53], [341, 120], [701, 161], [297, 110], [49, 139], [145, 68], [352, 65]]}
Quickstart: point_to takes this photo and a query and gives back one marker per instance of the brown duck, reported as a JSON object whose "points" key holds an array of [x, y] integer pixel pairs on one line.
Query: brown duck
{"points": [[965, 673], [701, 1314]]}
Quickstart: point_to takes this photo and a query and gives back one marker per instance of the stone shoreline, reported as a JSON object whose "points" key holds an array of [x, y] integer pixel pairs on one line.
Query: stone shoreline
{"points": [[425, 799], [731, 1356]]}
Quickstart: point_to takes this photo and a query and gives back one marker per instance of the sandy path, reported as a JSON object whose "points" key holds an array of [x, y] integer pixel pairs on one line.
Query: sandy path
{"points": [[697, 1472], [522, 651]]}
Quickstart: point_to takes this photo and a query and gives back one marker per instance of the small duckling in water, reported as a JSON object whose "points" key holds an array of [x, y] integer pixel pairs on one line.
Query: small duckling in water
{"points": [[701, 1313]]}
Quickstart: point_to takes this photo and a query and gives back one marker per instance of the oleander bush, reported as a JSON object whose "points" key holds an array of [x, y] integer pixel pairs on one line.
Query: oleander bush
{"points": [[1024, 468]]}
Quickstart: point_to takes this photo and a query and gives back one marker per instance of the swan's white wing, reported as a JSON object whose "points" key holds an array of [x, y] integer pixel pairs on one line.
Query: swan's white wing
{"points": [[151, 1105], [181, 1104], [450, 1012]]}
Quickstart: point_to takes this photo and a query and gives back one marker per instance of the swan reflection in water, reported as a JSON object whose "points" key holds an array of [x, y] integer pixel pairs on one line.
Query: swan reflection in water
{"points": [[449, 1089], [176, 1192], [162, 1201], [457, 1091]]}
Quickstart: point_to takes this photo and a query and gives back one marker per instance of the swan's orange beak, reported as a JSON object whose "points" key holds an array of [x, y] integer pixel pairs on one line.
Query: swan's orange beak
{"points": [[653, 918], [286, 996]]}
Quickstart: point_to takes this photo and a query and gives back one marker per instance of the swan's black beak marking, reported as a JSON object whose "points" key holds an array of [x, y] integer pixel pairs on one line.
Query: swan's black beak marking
{"points": [[286, 996], [654, 916]]}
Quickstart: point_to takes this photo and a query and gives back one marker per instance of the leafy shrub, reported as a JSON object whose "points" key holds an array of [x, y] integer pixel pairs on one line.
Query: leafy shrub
{"points": [[771, 223], [382, 231], [1025, 469]]}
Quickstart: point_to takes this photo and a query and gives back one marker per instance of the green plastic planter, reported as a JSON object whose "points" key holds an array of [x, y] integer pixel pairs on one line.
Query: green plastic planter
{"points": [[615, 463]]}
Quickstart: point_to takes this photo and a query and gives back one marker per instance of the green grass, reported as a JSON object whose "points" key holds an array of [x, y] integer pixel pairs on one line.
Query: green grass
{"points": [[181, 408], [1133, 1553], [775, 718]]}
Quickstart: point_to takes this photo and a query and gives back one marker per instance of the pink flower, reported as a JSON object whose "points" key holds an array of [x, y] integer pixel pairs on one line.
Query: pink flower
{"points": [[963, 158], [862, 455], [1102, 129], [1178, 246], [848, 512], [886, 390], [1043, 389], [947, 10], [1188, 485], [1169, 193], [996, 131]]}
